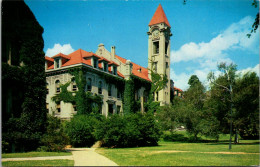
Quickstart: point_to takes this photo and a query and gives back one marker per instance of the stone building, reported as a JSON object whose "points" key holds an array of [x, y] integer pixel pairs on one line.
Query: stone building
{"points": [[109, 63]]}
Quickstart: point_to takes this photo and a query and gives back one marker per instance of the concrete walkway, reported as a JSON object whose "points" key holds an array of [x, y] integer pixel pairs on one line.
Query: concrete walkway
{"points": [[81, 157], [88, 157], [70, 157]]}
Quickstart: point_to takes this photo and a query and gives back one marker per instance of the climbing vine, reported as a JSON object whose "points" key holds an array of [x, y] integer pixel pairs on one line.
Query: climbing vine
{"points": [[159, 82], [84, 101], [129, 97]]}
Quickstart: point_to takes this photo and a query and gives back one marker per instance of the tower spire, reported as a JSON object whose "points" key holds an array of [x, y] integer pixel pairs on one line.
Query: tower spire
{"points": [[159, 17]]}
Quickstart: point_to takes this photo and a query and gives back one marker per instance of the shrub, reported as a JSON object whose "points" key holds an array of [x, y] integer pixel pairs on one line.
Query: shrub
{"points": [[81, 130], [129, 130], [55, 139]]}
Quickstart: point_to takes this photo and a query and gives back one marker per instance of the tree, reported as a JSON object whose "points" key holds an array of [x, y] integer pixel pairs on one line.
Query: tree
{"points": [[25, 98], [193, 80], [193, 106], [225, 82], [246, 103]]}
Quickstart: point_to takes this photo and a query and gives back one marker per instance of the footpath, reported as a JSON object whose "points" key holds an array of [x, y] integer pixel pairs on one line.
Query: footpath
{"points": [[81, 157]]}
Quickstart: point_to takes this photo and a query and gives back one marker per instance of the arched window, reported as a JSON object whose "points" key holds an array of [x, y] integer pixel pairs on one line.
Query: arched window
{"points": [[89, 84], [100, 87], [57, 86], [109, 90], [47, 88]]}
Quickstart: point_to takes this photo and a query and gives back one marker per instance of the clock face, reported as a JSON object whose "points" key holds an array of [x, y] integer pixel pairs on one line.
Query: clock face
{"points": [[156, 33]]}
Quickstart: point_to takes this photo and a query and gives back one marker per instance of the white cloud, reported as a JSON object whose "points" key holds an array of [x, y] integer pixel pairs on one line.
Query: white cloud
{"points": [[234, 37], [251, 69], [209, 54], [180, 81], [58, 48]]}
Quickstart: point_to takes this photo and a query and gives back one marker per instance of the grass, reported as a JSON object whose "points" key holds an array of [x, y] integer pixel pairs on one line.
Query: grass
{"points": [[39, 163], [34, 154], [203, 153]]}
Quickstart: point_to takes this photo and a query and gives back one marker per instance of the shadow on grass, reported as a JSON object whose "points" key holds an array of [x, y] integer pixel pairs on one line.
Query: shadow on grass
{"points": [[175, 137], [227, 142]]}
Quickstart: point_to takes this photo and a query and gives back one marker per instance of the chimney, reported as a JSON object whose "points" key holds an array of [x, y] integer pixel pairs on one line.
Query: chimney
{"points": [[113, 51], [128, 69]]}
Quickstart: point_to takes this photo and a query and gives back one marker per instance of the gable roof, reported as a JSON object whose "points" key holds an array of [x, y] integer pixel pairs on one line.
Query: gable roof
{"points": [[159, 17], [61, 55], [83, 57], [49, 59], [143, 73]]}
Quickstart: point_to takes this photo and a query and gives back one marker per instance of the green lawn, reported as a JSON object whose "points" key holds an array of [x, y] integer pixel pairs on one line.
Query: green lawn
{"points": [[39, 163], [34, 154], [186, 154]]}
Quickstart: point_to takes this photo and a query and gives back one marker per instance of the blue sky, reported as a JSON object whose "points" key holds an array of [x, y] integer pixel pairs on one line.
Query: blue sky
{"points": [[205, 32]]}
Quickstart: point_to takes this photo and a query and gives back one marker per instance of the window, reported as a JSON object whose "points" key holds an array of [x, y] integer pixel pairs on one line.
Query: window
{"points": [[167, 65], [157, 96], [166, 47], [109, 90], [156, 47], [118, 109], [110, 109], [95, 63], [146, 95], [58, 108], [74, 86], [57, 60], [89, 84], [47, 88], [115, 70], [118, 94], [105, 66], [100, 87], [57, 86], [137, 97]]}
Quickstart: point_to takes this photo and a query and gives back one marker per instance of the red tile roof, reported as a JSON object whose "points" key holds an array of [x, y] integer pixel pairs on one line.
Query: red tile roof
{"points": [[159, 17], [61, 55], [103, 59], [143, 73], [49, 59], [79, 56], [111, 62], [175, 88]]}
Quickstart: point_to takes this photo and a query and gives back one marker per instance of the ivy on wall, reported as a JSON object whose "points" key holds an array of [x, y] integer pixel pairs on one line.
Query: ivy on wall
{"points": [[159, 82], [85, 101], [129, 97]]}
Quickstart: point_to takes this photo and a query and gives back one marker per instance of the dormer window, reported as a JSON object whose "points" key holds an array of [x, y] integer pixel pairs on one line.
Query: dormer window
{"points": [[105, 66], [140, 69], [115, 70], [95, 63], [57, 63]]}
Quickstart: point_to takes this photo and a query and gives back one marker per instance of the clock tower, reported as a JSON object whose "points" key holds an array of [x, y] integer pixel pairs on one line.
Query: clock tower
{"points": [[159, 51]]}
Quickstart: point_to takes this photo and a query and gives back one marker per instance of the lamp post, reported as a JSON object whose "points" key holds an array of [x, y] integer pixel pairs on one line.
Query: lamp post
{"points": [[230, 139]]}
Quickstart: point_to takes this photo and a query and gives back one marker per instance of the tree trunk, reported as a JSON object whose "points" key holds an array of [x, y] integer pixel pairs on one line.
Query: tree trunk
{"points": [[236, 140]]}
